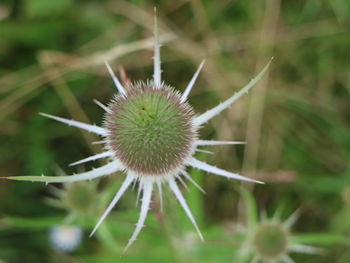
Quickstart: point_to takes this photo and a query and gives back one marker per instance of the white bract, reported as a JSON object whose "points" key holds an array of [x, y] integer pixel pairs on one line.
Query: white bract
{"points": [[150, 133]]}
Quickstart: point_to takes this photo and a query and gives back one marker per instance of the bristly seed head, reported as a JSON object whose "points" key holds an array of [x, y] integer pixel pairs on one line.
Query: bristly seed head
{"points": [[150, 130]]}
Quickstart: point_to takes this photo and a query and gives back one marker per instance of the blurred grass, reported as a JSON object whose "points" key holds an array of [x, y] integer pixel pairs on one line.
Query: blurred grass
{"points": [[296, 122]]}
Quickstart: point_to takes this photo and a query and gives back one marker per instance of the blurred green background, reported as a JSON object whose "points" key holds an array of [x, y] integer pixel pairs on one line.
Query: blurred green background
{"points": [[296, 122]]}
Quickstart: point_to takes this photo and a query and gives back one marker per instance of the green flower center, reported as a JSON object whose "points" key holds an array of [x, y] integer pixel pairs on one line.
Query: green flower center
{"points": [[270, 240], [150, 130]]}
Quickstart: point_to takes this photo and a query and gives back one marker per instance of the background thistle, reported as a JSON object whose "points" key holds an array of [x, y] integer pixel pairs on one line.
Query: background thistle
{"points": [[272, 239], [80, 199]]}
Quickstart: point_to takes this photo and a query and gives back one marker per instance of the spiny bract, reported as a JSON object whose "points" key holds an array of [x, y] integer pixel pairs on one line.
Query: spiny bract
{"points": [[150, 133]]}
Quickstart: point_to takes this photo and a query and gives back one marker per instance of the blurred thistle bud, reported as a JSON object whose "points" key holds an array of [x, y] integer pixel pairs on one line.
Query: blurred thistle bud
{"points": [[270, 240], [65, 238], [80, 197]]}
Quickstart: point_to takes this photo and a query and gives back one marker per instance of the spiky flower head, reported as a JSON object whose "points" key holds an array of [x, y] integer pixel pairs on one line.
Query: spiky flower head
{"points": [[150, 132]]}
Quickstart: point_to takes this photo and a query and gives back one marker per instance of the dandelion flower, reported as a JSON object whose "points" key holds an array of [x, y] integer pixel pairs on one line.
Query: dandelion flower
{"points": [[65, 238], [151, 134]]}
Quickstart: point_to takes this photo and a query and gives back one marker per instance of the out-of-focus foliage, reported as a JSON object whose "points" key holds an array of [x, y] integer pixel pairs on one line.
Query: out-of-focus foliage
{"points": [[296, 121]]}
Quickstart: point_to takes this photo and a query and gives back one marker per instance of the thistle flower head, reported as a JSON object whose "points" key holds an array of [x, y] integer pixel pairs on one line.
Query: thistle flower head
{"points": [[150, 130], [150, 133]]}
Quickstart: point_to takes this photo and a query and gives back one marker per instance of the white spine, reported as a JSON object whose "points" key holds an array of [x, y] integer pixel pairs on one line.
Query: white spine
{"points": [[173, 186], [88, 127], [156, 56], [191, 83], [93, 158], [205, 143], [146, 200], [128, 180], [212, 169], [115, 79], [203, 118]]}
